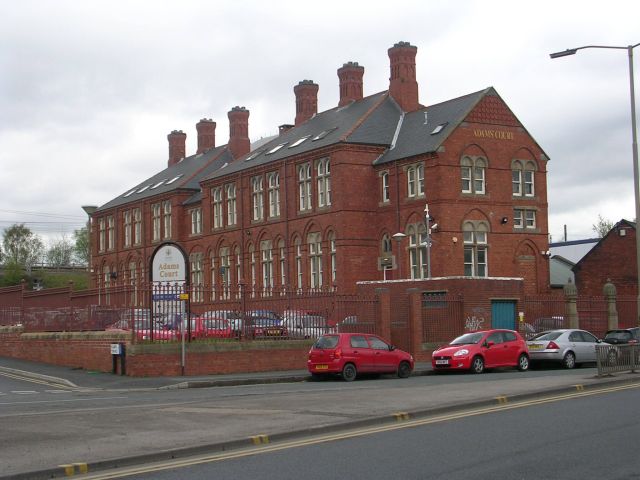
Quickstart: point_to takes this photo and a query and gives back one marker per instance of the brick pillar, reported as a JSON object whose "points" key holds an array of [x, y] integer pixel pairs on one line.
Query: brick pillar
{"points": [[570, 302], [416, 330], [610, 295], [383, 323]]}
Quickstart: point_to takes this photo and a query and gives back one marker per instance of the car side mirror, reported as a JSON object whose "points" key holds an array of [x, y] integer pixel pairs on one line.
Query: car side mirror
{"points": [[489, 344], [391, 348]]}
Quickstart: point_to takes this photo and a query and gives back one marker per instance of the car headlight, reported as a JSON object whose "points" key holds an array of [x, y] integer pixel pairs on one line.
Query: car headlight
{"points": [[461, 353]]}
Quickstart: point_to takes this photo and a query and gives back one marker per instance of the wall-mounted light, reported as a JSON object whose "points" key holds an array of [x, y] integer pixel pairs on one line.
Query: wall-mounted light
{"points": [[504, 220]]}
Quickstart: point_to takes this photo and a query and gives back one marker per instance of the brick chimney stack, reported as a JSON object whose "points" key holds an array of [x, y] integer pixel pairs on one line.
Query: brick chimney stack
{"points": [[239, 143], [403, 86], [177, 150], [206, 135], [306, 100], [350, 76]]}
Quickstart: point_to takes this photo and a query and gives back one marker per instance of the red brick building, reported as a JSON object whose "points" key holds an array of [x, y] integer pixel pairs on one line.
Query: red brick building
{"points": [[612, 259], [340, 195]]}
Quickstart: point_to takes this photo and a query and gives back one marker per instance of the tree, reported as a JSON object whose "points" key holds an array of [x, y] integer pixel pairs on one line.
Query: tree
{"points": [[60, 254], [602, 226], [81, 245], [22, 247]]}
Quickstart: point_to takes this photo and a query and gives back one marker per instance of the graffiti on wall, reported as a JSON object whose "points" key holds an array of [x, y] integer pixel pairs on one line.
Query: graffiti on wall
{"points": [[475, 321]]}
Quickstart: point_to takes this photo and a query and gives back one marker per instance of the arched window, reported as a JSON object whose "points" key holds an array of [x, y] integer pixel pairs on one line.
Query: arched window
{"points": [[238, 256], [252, 268], [225, 272], [315, 259], [386, 244], [324, 183], [385, 187], [417, 251], [475, 249], [523, 178], [298, 246], [472, 175], [266, 253], [283, 267], [332, 248]]}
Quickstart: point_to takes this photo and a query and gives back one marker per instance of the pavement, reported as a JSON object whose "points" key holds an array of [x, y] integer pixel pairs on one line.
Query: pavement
{"points": [[236, 419]]}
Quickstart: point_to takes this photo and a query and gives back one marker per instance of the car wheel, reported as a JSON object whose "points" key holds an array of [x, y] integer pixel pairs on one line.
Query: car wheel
{"points": [[404, 370], [569, 360], [349, 372], [523, 363], [477, 365]]}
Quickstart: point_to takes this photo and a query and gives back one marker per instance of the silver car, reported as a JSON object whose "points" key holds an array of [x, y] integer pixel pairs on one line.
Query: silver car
{"points": [[570, 347]]}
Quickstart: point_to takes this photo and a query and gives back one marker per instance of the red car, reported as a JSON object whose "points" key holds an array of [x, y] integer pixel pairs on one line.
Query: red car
{"points": [[349, 354], [477, 351]]}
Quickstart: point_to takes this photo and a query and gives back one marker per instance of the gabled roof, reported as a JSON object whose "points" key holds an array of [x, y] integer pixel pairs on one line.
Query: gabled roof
{"points": [[416, 135], [616, 228], [184, 175]]}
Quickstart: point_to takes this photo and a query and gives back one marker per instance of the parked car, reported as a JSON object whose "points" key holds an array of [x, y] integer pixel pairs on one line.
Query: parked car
{"points": [[350, 354], [619, 337], [265, 327], [570, 347], [544, 324], [206, 326], [140, 320], [352, 324], [306, 324], [477, 351]]}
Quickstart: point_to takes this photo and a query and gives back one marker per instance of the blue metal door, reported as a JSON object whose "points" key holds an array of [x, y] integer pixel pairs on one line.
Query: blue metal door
{"points": [[503, 314]]}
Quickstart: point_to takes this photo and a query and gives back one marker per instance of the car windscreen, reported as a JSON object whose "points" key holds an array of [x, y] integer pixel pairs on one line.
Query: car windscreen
{"points": [[547, 336], [326, 342], [468, 338]]}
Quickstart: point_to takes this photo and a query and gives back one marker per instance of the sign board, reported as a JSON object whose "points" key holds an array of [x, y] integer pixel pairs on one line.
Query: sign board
{"points": [[116, 349], [169, 265]]}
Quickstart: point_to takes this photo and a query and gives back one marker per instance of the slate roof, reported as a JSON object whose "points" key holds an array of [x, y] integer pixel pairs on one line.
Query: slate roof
{"points": [[374, 120], [371, 120], [184, 175]]}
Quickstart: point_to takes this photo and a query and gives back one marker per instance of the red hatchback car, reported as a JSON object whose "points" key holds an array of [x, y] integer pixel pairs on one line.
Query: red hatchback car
{"points": [[350, 354], [477, 351]]}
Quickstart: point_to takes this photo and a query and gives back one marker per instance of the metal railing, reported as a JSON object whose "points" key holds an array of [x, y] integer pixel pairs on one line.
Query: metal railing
{"points": [[617, 358]]}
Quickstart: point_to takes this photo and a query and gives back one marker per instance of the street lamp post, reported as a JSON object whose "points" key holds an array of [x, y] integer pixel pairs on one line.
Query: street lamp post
{"points": [[634, 146]]}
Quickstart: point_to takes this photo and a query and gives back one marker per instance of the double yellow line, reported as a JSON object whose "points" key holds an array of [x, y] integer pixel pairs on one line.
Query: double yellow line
{"points": [[25, 378], [261, 443]]}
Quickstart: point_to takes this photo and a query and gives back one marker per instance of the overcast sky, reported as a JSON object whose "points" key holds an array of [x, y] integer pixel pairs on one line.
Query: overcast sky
{"points": [[89, 90]]}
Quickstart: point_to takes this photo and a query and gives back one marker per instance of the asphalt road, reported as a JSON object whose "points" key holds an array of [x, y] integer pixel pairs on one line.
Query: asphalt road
{"points": [[108, 427], [585, 437]]}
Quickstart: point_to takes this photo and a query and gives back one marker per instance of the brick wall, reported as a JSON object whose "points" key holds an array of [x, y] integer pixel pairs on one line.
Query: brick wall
{"points": [[612, 259]]}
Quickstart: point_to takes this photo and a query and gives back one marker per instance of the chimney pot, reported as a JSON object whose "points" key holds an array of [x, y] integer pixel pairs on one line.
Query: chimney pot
{"points": [[177, 150], [239, 143], [306, 93], [403, 86], [350, 75], [206, 134]]}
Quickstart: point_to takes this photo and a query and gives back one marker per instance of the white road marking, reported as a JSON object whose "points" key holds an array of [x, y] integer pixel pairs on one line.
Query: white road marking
{"points": [[24, 392]]}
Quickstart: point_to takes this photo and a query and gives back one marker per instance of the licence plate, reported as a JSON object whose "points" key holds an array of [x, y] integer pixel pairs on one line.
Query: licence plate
{"points": [[536, 346], [442, 362], [322, 367], [273, 332]]}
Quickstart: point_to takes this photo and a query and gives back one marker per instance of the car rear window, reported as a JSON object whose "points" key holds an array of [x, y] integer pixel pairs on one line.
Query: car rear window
{"points": [[326, 342], [619, 335], [547, 336]]}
